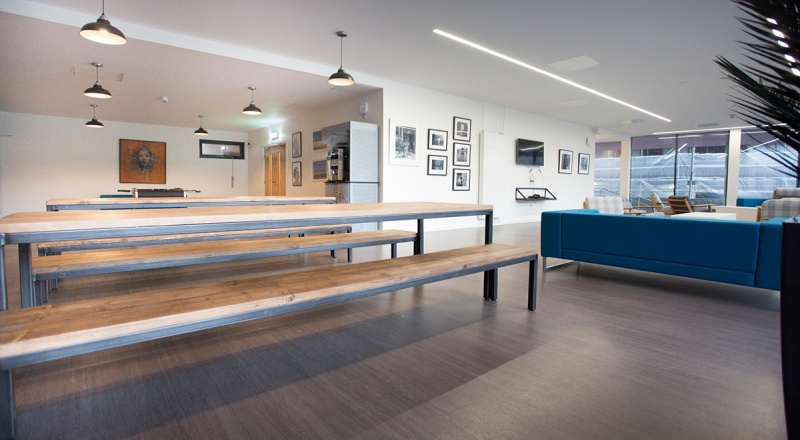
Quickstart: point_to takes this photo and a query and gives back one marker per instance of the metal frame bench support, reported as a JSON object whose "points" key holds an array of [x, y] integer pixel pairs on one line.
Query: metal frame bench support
{"points": [[7, 430], [533, 275], [490, 276]]}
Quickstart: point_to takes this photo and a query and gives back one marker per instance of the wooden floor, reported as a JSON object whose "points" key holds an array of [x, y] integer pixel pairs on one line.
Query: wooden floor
{"points": [[609, 354]]}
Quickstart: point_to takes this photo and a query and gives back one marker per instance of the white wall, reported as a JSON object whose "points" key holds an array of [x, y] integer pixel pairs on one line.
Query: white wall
{"points": [[307, 124], [429, 109], [46, 157]]}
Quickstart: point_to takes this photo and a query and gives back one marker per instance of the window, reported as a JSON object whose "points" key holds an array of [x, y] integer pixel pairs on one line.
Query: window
{"points": [[607, 164], [759, 175], [693, 165]]}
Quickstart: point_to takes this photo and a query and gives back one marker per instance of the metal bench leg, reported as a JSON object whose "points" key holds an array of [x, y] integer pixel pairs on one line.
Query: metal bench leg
{"points": [[349, 255], [26, 288], [6, 405], [394, 250], [533, 274]]}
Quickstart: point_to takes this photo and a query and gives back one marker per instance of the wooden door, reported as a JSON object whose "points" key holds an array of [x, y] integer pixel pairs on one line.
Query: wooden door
{"points": [[275, 170]]}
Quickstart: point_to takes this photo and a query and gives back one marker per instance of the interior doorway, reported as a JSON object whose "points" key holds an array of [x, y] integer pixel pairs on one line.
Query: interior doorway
{"points": [[275, 170]]}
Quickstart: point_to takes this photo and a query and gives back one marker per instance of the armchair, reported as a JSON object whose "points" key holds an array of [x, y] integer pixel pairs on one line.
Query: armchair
{"points": [[681, 205]]}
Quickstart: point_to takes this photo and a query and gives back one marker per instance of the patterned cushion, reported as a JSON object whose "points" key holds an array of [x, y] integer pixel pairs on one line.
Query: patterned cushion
{"points": [[605, 205], [775, 208], [780, 193]]}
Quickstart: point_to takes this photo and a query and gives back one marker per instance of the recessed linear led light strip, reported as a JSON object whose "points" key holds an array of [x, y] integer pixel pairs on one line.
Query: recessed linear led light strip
{"points": [[702, 130], [543, 72]]}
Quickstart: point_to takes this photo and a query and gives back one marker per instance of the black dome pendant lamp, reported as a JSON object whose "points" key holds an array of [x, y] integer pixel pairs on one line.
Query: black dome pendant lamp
{"points": [[251, 109], [94, 123], [102, 32], [97, 91], [341, 78], [201, 131]]}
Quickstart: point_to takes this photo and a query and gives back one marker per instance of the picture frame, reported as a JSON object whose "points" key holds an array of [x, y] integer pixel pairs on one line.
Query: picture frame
{"points": [[437, 139], [583, 163], [461, 179], [437, 165], [297, 144], [565, 161], [403, 143], [461, 154], [211, 149], [297, 173], [142, 161], [462, 129], [319, 170], [316, 139]]}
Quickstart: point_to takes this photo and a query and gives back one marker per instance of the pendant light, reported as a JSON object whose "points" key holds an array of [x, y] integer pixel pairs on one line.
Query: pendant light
{"points": [[201, 131], [94, 123], [341, 78], [101, 31], [97, 91], [251, 109]]}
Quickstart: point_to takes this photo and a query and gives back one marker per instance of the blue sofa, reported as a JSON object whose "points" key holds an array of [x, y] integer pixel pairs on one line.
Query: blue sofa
{"points": [[745, 253]]}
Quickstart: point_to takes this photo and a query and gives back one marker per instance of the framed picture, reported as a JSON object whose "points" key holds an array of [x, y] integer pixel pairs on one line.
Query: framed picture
{"points": [[437, 165], [403, 143], [461, 154], [565, 161], [319, 169], [462, 127], [583, 163], [460, 179], [437, 139], [221, 149], [316, 139], [297, 144], [297, 174], [142, 161]]}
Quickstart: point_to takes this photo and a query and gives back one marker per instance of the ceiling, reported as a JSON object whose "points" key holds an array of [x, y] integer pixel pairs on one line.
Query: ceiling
{"points": [[202, 55]]}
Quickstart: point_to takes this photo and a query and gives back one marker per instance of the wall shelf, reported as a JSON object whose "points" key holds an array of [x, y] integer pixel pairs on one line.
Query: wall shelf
{"points": [[534, 194]]}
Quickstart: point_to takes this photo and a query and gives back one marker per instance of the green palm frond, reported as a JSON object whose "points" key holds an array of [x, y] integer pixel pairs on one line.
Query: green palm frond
{"points": [[768, 89]]}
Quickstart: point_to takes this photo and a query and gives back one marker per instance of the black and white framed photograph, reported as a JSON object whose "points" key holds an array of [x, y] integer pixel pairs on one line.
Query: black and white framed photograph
{"points": [[437, 165], [297, 174], [460, 179], [583, 163], [565, 161], [461, 154], [462, 127], [403, 143], [437, 139], [297, 144]]}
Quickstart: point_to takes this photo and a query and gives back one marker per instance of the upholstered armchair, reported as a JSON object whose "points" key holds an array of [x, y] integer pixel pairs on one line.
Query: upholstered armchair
{"points": [[781, 193], [773, 208]]}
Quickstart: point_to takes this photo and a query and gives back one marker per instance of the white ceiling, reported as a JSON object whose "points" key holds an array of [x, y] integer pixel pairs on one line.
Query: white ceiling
{"points": [[655, 54]]}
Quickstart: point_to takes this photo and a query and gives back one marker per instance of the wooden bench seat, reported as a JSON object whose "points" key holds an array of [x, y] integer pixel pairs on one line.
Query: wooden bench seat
{"points": [[102, 261], [49, 248], [48, 332]]}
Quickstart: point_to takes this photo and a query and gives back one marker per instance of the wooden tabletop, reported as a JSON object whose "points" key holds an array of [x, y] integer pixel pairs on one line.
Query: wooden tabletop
{"points": [[65, 221], [122, 201]]}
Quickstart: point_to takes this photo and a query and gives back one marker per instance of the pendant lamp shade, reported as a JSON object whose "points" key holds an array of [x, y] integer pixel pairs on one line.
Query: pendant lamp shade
{"points": [[341, 78], [102, 32], [94, 123], [251, 109], [97, 91], [201, 131]]}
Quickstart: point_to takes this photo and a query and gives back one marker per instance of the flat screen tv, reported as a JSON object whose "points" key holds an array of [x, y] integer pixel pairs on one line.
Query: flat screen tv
{"points": [[530, 153]]}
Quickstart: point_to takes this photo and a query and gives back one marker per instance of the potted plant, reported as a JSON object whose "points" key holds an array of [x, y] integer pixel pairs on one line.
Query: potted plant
{"points": [[769, 97]]}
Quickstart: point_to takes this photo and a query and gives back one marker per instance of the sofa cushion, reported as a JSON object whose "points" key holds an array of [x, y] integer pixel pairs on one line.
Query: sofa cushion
{"points": [[727, 245]]}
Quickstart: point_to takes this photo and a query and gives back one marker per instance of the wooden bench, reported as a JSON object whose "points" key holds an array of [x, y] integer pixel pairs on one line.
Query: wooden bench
{"points": [[73, 264], [52, 248], [48, 332]]}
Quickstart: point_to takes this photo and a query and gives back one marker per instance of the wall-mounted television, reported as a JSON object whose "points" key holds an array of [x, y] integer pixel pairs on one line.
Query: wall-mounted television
{"points": [[530, 152]]}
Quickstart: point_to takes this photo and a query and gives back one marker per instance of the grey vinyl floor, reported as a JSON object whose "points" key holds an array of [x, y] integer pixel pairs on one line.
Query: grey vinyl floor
{"points": [[609, 354]]}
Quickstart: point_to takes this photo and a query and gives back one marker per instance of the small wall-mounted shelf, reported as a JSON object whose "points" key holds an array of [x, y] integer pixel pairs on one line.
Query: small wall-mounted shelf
{"points": [[534, 194]]}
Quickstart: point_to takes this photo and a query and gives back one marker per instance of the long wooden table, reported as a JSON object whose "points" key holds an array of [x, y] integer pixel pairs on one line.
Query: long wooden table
{"points": [[26, 228], [179, 202]]}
